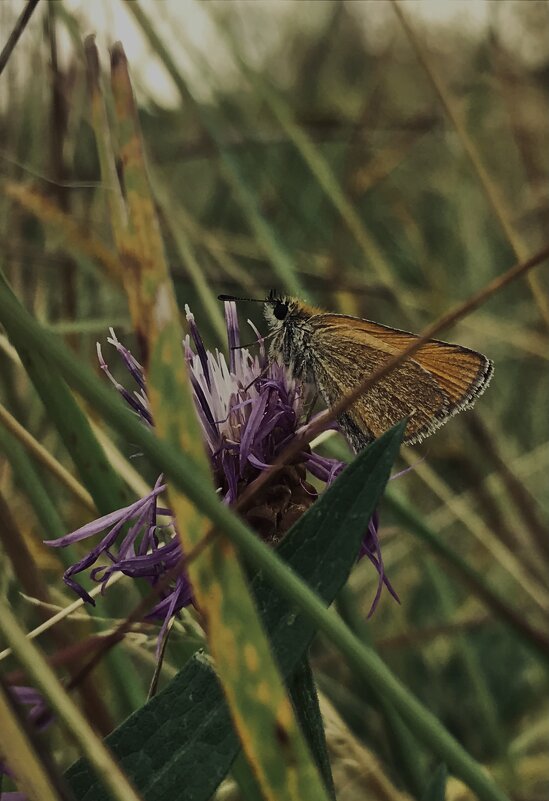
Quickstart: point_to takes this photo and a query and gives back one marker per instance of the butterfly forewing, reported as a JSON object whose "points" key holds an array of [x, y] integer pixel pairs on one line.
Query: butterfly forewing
{"points": [[437, 381], [460, 372]]}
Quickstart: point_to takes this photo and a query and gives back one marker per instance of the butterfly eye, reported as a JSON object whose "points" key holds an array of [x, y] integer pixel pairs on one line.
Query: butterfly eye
{"points": [[280, 310]]}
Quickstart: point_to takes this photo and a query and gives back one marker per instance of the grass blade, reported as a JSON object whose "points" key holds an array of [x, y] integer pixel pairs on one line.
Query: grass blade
{"points": [[261, 711]]}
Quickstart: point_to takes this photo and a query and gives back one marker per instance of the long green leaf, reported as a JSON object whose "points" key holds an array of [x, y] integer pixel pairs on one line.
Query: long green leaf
{"points": [[261, 710], [436, 788], [304, 697]]}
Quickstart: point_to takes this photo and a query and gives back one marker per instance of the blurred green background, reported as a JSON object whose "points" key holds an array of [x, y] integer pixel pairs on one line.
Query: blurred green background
{"points": [[323, 149]]}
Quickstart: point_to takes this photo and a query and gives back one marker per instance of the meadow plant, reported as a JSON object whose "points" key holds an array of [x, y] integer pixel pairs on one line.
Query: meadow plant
{"points": [[250, 409]]}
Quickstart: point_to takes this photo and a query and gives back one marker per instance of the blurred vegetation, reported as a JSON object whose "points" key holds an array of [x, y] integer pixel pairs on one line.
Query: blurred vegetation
{"points": [[242, 211]]}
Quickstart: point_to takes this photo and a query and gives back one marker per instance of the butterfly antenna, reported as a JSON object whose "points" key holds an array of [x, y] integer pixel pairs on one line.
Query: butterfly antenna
{"points": [[237, 300]]}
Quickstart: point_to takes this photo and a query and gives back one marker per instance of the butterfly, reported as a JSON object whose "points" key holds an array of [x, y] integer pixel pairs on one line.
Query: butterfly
{"points": [[336, 352]]}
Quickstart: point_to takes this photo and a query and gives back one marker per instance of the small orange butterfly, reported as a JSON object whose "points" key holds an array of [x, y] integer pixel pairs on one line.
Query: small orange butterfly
{"points": [[336, 352]]}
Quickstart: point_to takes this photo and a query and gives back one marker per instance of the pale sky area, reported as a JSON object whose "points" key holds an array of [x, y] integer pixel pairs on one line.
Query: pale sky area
{"points": [[187, 24]]}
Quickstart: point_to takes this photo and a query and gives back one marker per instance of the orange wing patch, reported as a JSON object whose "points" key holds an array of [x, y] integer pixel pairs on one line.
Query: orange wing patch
{"points": [[459, 371], [439, 380]]}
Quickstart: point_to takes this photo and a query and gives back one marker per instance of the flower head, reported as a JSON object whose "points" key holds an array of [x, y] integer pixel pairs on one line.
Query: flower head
{"points": [[249, 410]]}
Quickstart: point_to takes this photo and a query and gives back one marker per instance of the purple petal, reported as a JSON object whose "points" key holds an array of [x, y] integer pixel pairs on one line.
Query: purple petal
{"points": [[199, 345], [127, 513], [261, 343], [233, 333], [251, 429], [257, 463], [230, 470], [131, 363], [135, 402], [128, 543], [322, 467], [204, 411], [181, 596], [80, 591]]}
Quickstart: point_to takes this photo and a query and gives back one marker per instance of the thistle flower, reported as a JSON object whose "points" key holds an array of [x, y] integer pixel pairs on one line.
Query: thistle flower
{"points": [[249, 410]]}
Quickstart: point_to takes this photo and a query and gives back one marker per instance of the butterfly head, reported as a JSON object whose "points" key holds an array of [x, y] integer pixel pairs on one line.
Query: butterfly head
{"points": [[277, 309], [281, 310]]}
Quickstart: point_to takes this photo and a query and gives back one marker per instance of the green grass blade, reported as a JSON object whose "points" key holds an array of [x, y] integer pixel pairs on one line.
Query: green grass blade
{"points": [[436, 788], [261, 710], [318, 165], [211, 305], [406, 751], [23, 470], [44, 457]]}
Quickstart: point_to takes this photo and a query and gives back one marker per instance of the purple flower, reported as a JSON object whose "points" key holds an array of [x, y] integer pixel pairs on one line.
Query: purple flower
{"points": [[249, 411], [39, 716], [38, 712]]}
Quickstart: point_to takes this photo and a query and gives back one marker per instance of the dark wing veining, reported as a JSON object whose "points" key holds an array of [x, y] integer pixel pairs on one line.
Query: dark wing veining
{"points": [[439, 380]]}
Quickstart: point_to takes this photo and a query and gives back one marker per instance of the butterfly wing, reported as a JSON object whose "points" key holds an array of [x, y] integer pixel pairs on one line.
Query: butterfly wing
{"points": [[439, 380]]}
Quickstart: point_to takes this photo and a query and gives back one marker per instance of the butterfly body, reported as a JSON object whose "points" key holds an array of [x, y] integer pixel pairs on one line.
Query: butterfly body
{"points": [[336, 352]]}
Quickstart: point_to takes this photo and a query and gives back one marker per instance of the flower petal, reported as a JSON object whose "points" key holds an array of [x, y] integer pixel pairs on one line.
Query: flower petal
{"points": [[95, 526], [233, 333]]}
